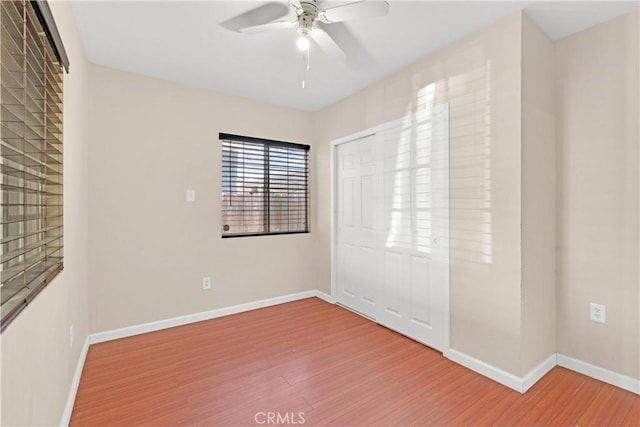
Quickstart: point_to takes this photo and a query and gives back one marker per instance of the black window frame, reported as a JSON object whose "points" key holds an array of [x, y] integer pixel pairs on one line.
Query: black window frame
{"points": [[267, 180]]}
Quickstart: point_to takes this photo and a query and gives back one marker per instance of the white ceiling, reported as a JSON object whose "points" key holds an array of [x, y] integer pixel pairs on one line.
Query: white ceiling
{"points": [[182, 41]]}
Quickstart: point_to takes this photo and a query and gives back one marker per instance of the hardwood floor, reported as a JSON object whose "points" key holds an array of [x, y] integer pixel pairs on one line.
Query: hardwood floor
{"points": [[312, 363]]}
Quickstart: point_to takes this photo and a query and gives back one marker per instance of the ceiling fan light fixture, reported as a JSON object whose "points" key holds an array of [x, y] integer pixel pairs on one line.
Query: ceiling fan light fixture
{"points": [[303, 43], [310, 18]]}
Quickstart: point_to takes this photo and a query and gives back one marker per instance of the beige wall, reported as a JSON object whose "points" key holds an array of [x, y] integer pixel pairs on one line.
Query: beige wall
{"points": [[145, 141], [538, 197], [150, 141], [37, 361], [597, 94], [480, 79]]}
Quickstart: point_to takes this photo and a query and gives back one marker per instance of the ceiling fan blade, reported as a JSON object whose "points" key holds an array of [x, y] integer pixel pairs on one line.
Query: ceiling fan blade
{"points": [[277, 25], [356, 10], [328, 44], [295, 3], [260, 15], [357, 56]]}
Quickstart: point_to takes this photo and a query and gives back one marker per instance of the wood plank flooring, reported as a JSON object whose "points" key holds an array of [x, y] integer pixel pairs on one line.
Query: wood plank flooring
{"points": [[313, 363]]}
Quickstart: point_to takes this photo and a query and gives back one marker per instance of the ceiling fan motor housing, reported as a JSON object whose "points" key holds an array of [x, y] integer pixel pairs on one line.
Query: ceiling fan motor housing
{"points": [[307, 15]]}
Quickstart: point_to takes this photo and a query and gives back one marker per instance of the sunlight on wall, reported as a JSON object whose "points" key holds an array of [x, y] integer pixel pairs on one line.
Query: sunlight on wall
{"points": [[426, 96], [470, 159], [409, 177], [469, 98]]}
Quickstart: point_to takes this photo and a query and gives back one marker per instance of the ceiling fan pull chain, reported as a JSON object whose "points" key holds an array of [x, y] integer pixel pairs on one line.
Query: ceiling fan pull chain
{"points": [[305, 65]]}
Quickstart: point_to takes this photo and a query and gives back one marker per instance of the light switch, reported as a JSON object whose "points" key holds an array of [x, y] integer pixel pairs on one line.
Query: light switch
{"points": [[191, 195]]}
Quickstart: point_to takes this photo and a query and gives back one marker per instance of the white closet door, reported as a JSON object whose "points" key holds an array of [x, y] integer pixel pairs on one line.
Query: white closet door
{"points": [[357, 247], [411, 300], [392, 226]]}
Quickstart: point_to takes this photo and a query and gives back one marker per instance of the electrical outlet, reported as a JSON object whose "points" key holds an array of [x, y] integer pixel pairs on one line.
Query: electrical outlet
{"points": [[191, 195], [206, 283], [598, 313], [70, 335]]}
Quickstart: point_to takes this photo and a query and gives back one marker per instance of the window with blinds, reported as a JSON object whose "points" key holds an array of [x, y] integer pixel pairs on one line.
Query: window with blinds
{"points": [[265, 187], [31, 63]]}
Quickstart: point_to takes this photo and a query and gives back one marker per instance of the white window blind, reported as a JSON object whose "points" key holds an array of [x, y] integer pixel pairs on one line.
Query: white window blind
{"points": [[265, 186]]}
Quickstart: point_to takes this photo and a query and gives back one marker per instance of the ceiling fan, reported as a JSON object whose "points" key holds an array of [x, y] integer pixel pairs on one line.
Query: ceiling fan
{"points": [[311, 19]]}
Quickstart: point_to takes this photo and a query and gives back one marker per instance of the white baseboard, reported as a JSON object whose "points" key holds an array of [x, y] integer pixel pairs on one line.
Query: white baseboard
{"points": [[538, 372], [325, 297], [602, 374], [483, 368], [198, 317], [523, 384], [75, 382], [519, 384]]}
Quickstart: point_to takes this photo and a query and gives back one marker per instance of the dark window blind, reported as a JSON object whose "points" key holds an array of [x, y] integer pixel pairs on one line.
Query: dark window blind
{"points": [[31, 247], [265, 186]]}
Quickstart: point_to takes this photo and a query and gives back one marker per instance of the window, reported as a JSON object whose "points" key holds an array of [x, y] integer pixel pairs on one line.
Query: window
{"points": [[265, 187], [31, 246]]}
